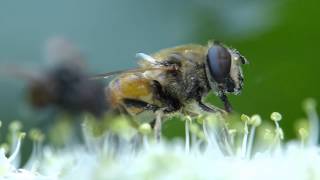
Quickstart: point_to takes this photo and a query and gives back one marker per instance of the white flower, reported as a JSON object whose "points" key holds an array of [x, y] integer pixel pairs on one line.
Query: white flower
{"points": [[8, 165], [215, 150]]}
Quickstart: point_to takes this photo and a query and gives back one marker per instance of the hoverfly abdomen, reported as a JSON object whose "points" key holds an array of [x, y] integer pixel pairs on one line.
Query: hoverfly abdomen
{"points": [[133, 93]]}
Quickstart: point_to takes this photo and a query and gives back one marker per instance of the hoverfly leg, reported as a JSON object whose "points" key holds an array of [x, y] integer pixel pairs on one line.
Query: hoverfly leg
{"points": [[206, 108], [210, 109], [140, 104], [157, 123], [227, 105]]}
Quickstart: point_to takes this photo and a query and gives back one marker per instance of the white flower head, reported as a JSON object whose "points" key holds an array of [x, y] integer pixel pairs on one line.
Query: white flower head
{"points": [[213, 148]]}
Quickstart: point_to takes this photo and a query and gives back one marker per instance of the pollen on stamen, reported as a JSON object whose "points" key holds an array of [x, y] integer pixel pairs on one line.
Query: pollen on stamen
{"points": [[303, 136], [246, 120], [275, 116], [254, 121], [17, 148]]}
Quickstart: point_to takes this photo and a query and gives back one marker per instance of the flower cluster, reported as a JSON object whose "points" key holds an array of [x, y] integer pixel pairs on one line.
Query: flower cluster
{"points": [[214, 147]]}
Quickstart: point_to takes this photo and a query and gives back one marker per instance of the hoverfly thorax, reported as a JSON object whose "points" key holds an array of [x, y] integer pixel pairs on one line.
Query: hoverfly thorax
{"points": [[223, 69]]}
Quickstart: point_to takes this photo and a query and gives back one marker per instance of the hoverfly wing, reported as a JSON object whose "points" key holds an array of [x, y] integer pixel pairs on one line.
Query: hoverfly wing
{"points": [[137, 70], [59, 50], [19, 72], [109, 74]]}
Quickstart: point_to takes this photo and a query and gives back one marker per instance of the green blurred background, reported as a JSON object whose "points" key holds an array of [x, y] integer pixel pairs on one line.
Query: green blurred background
{"points": [[279, 38]]}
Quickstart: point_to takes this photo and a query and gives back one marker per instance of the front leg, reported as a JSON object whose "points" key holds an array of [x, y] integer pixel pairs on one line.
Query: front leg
{"points": [[208, 108], [227, 105], [169, 104]]}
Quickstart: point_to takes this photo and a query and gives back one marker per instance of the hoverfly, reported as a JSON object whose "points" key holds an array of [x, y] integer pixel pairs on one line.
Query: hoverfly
{"points": [[176, 79]]}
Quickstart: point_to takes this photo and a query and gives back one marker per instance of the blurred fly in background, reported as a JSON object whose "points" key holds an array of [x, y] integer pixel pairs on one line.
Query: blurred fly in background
{"points": [[65, 85]]}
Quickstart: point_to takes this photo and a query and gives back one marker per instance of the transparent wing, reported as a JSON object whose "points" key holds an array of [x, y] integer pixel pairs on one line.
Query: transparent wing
{"points": [[109, 74], [60, 50], [19, 72]]}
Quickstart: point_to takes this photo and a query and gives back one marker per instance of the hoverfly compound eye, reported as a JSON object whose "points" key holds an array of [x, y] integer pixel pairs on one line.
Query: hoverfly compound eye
{"points": [[219, 62]]}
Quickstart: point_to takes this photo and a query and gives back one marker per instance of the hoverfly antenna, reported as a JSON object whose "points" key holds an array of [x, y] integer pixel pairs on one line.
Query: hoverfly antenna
{"points": [[146, 57], [242, 58]]}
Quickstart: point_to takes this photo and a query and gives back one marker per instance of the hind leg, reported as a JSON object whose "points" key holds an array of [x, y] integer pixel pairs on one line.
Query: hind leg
{"points": [[157, 123], [227, 105]]}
